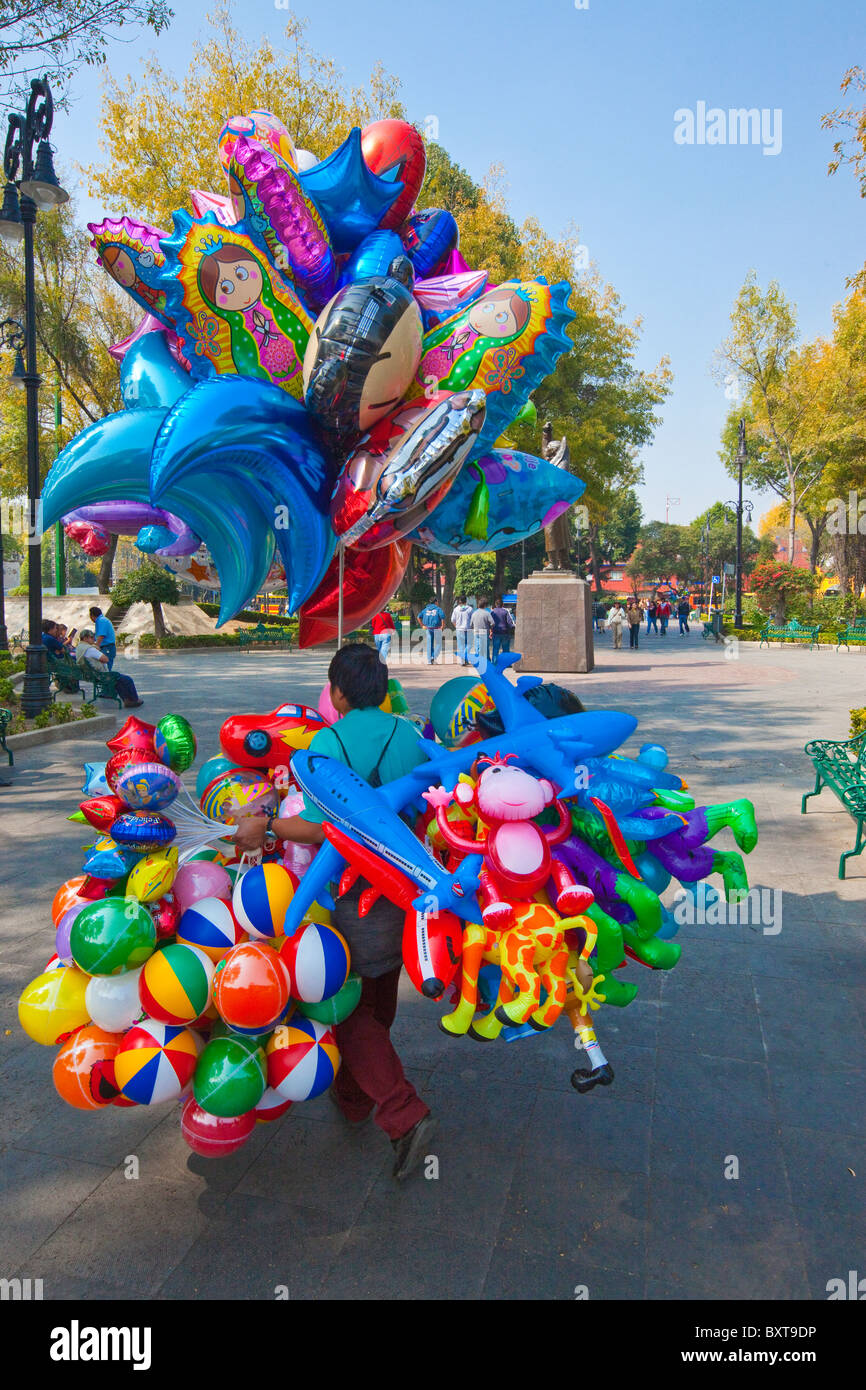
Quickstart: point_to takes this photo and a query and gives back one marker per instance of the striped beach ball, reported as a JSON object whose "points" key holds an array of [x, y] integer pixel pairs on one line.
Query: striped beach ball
{"points": [[271, 1106], [261, 899], [175, 984], [211, 927], [317, 959], [251, 988], [303, 1059], [214, 1136], [156, 1061], [79, 1070]]}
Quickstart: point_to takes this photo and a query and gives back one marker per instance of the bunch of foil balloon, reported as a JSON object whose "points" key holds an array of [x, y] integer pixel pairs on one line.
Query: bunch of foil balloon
{"points": [[319, 382]]}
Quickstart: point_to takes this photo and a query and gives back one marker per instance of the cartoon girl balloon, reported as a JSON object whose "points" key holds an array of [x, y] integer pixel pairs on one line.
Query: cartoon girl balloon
{"points": [[131, 253]]}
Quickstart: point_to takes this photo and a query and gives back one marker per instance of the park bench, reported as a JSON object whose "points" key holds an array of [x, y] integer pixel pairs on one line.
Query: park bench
{"points": [[5, 718], [841, 766], [65, 674], [712, 629], [270, 636], [853, 634], [789, 632]]}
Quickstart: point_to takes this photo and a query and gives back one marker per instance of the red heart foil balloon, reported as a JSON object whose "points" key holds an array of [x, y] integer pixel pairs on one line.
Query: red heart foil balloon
{"points": [[369, 579]]}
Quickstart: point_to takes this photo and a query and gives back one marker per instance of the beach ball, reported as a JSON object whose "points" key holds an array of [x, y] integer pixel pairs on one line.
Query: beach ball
{"points": [[53, 963], [156, 1061], [112, 935], [214, 767], [214, 1136], [175, 984], [230, 1076], [143, 830], [69, 895], [271, 1106], [210, 926], [317, 959], [251, 988], [79, 1071], [237, 793], [152, 877], [303, 1059], [337, 1007], [200, 879], [113, 1002], [261, 899], [53, 1005], [148, 786], [174, 742], [220, 1029]]}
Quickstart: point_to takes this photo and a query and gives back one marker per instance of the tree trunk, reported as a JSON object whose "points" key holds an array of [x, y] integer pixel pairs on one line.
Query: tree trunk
{"points": [[449, 566], [592, 532], [499, 575], [158, 620], [792, 523], [103, 582]]}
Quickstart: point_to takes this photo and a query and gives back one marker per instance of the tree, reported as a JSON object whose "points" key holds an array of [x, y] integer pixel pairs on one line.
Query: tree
{"points": [[150, 583], [618, 533], [172, 124], [56, 37], [714, 536], [664, 551], [777, 585], [475, 575], [781, 446], [850, 150]]}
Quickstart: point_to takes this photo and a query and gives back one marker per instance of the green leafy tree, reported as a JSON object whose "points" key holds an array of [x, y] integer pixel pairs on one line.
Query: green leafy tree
{"points": [[148, 584], [618, 533], [664, 552], [476, 575], [778, 586]]}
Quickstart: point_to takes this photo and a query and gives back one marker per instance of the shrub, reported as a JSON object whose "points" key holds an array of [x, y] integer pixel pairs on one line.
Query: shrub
{"points": [[858, 722], [147, 639], [783, 589], [87, 711], [8, 693]]}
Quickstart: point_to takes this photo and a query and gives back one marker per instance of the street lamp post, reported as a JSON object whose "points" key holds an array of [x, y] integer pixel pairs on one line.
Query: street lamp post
{"points": [[31, 186], [739, 507], [12, 337]]}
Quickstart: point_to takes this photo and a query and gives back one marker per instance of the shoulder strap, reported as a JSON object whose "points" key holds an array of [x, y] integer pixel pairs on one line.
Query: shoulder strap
{"points": [[375, 778]]}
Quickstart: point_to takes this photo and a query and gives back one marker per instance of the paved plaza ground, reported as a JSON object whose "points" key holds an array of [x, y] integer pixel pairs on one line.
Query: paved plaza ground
{"points": [[752, 1049]]}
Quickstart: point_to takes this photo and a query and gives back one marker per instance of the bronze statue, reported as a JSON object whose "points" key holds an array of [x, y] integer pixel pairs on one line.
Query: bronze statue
{"points": [[557, 536]]}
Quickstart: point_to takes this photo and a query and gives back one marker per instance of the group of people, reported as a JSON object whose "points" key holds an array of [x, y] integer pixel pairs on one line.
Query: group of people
{"points": [[478, 630], [657, 612], [96, 649]]}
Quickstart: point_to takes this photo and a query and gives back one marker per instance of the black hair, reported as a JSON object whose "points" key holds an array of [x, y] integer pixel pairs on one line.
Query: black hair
{"points": [[48, 624], [357, 670], [93, 610]]}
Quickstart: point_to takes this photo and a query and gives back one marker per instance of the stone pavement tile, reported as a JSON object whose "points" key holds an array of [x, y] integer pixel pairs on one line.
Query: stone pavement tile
{"points": [[857, 995], [818, 1164], [401, 1262], [634, 1073], [564, 1275], [163, 1153], [324, 1112], [128, 1234], [636, 1025], [782, 962], [697, 1023], [722, 978], [103, 1136], [746, 1246], [37, 1194], [597, 1215], [72, 1288], [698, 1153], [724, 932], [833, 1248], [835, 1033], [248, 1248], [819, 1096], [711, 1085], [568, 1130], [321, 1173], [547, 1059]]}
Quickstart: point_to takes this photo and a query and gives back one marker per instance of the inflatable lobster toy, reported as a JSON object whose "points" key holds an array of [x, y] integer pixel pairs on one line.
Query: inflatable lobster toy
{"points": [[517, 858]]}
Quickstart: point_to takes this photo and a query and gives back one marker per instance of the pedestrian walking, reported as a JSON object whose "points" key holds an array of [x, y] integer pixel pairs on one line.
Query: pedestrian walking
{"points": [[651, 617], [664, 611], [461, 618], [383, 629], [432, 618], [683, 610], [634, 617], [503, 627], [482, 626], [615, 621], [598, 615]]}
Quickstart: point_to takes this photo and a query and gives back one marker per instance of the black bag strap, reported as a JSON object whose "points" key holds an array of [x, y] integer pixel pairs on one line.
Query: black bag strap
{"points": [[375, 778]]}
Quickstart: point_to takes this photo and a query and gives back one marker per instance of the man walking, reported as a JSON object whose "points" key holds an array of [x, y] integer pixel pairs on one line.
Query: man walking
{"points": [[683, 610], [432, 618], [482, 626], [383, 629], [634, 616], [664, 613], [461, 618], [615, 620], [651, 617], [503, 626]]}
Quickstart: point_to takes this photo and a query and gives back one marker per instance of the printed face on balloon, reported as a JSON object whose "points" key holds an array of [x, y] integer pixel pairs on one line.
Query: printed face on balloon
{"points": [[232, 279]]}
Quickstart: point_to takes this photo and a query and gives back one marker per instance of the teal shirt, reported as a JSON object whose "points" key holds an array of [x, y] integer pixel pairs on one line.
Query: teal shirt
{"points": [[364, 733]]}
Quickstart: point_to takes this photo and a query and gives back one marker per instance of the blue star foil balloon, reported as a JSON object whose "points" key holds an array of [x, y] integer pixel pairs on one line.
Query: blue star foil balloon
{"points": [[351, 199]]}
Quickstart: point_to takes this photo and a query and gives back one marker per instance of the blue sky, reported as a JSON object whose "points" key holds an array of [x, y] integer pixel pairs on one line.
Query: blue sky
{"points": [[578, 105]]}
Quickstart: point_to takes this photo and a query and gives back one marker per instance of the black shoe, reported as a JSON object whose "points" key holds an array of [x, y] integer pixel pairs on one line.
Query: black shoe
{"points": [[133, 704], [409, 1149]]}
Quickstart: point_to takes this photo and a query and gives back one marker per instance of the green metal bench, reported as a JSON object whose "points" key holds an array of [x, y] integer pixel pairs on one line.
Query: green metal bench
{"points": [[841, 766], [712, 630], [853, 635], [5, 720], [790, 632], [65, 674], [270, 636]]}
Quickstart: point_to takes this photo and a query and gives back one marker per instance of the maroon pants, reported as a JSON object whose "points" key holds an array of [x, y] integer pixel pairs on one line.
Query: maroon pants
{"points": [[371, 1073]]}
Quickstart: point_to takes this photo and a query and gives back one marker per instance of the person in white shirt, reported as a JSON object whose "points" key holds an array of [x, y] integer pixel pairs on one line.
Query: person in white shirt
{"points": [[481, 623], [461, 621], [615, 621], [88, 654]]}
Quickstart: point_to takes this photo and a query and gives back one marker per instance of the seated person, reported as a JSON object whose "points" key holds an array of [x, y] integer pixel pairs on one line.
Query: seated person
{"points": [[50, 639], [64, 636], [88, 654]]}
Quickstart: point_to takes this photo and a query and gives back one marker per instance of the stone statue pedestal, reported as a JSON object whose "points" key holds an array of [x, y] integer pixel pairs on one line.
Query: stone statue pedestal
{"points": [[554, 623]]}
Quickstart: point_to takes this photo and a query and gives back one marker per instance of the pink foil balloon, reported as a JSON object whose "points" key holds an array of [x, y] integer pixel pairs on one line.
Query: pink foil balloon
{"points": [[201, 879]]}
